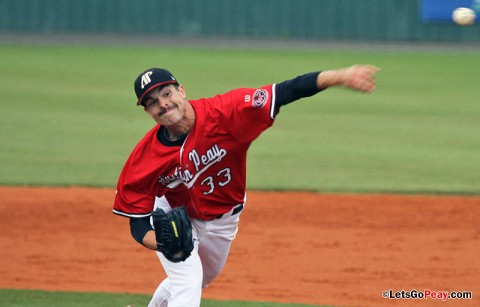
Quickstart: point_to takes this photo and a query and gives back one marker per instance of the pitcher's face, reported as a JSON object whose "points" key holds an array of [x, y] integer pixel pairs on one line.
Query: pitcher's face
{"points": [[166, 105]]}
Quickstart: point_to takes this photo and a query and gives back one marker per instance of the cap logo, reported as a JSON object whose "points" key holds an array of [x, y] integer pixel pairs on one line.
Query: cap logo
{"points": [[146, 79]]}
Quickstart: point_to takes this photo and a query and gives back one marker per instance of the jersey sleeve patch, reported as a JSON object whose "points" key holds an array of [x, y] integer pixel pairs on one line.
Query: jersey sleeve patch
{"points": [[260, 98]]}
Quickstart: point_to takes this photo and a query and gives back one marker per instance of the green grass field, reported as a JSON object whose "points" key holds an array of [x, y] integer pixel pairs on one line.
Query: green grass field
{"points": [[21, 298], [69, 118]]}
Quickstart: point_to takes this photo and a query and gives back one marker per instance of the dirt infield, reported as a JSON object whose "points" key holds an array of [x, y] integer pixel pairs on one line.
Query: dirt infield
{"points": [[335, 249]]}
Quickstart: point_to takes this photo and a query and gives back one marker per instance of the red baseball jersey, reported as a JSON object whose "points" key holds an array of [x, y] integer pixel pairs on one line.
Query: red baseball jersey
{"points": [[208, 172]]}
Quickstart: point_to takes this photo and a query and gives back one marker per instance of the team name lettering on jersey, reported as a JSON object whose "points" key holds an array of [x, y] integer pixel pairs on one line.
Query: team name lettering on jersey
{"points": [[214, 154], [176, 178], [201, 164]]}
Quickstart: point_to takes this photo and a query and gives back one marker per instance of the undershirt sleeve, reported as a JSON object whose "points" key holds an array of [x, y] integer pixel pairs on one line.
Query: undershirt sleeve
{"points": [[296, 88], [139, 228]]}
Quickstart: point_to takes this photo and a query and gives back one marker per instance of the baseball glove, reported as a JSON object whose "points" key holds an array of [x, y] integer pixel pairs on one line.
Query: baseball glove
{"points": [[173, 232]]}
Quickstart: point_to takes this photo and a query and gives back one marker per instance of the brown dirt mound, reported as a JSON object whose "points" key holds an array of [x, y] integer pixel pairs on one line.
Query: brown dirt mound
{"points": [[341, 250]]}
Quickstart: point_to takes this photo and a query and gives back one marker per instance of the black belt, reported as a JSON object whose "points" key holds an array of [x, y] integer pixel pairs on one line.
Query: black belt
{"points": [[236, 210]]}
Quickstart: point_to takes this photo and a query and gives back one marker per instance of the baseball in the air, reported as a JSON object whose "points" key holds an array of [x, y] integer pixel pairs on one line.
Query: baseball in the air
{"points": [[463, 16]]}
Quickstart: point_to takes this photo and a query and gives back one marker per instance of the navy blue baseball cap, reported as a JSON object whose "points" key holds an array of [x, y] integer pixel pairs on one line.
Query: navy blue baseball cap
{"points": [[151, 79]]}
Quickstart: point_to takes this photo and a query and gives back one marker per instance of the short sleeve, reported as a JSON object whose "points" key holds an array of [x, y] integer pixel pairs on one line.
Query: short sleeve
{"points": [[252, 110], [131, 199]]}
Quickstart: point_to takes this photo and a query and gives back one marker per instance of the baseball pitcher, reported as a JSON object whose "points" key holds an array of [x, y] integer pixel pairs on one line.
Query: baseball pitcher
{"points": [[183, 187]]}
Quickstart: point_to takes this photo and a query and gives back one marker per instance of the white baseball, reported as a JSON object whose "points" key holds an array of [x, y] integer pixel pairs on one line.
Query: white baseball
{"points": [[463, 16]]}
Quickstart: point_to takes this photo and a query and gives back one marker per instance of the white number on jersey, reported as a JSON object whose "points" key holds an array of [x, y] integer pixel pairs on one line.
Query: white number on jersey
{"points": [[224, 176]]}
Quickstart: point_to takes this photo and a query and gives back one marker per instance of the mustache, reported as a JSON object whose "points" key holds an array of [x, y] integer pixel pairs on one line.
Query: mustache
{"points": [[165, 109]]}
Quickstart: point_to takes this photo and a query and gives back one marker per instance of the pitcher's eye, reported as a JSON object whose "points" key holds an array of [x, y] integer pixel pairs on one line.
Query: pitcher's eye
{"points": [[152, 103]]}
